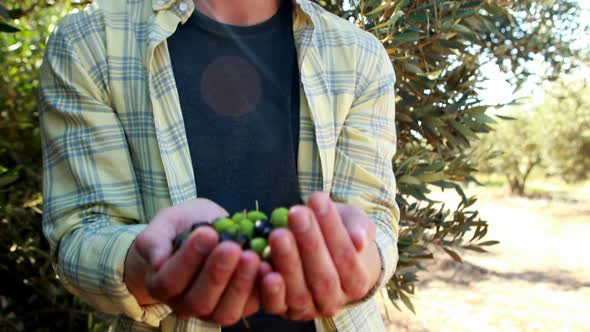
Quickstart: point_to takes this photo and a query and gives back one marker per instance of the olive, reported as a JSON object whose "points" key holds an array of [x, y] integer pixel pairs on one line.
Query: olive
{"points": [[257, 245], [233, 229], [279, 217], [225, 236], [262, 228], [247, 228], [200, 224], [222, 224], [257, 215], [238, 216], [242, 240], [179, 239], [266, 254]]}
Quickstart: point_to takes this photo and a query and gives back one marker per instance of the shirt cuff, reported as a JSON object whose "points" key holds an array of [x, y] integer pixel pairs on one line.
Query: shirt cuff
{"points": [[125, 302], [102, 285], [387, 247]]}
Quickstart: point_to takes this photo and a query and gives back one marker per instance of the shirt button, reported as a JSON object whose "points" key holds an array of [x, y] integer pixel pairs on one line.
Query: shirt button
{"points": [[183, 7], [161, 3], [152, 35]]}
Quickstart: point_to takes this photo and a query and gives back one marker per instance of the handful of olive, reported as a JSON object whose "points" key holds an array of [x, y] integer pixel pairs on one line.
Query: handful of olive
{"points": [[248, 229]]}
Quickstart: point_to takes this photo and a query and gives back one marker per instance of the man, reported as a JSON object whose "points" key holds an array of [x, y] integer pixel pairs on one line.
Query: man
{"points": [[158, 114]]}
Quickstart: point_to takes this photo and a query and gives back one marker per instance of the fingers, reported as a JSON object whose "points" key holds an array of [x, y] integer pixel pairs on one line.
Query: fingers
{"points": [[154, 244], [288, 263], [178, 272], [320, 273], [358, 224], [352, 274], [264, 269], [272, 289], [202, 298], [252, 304], [231, 307]]}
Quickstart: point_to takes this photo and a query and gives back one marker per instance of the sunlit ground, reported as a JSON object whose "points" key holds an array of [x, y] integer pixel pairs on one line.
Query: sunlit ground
{"points": [[536, 279]]}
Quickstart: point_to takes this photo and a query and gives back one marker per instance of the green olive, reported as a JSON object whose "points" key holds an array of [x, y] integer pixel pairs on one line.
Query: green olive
{"points": [[247, 228], [222, 224], [257, 215], [238, 216], [257, 245], [279, 217], [266, 254], [233, 229]]}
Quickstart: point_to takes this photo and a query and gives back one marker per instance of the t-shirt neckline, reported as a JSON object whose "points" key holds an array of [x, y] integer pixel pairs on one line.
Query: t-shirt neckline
{"points": [[200, 20]]}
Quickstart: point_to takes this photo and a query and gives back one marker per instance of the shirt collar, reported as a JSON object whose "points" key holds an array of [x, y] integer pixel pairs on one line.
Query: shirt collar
{"points": [[184, 9]]}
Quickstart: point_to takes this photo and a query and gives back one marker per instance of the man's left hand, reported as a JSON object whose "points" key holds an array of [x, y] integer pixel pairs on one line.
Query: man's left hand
{"points": [[324, 261]]}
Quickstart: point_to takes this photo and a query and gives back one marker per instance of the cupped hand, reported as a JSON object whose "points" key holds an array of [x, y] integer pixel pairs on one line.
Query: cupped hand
{"points": [[324, 261], [204, 279]]}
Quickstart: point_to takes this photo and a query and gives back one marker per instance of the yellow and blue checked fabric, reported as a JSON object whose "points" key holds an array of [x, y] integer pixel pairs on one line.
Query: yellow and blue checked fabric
{"points": [[115, 151]]}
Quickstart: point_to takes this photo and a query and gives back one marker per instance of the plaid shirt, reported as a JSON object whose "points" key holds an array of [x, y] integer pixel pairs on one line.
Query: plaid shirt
{"points": [[115, 150]]}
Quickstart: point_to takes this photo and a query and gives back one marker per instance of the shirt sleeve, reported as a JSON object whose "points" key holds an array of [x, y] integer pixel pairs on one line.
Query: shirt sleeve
{"points": [[92, 206], [364, 155]]}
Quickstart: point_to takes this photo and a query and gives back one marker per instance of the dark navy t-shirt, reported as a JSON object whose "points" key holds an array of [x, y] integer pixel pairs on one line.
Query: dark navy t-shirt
{"points": [[239, 94]]}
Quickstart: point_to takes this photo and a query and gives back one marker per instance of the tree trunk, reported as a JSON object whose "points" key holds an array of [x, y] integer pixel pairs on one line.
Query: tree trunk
{"points": [[516, 186]]}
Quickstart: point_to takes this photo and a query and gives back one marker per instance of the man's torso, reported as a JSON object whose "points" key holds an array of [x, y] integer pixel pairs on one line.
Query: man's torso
{"points": [[126, 43]]}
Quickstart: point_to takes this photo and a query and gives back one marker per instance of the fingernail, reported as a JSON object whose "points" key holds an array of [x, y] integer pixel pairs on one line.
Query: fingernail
{"points": [[361, 238], [228, 257], [302, 224], [321, 209], [283, 246]]}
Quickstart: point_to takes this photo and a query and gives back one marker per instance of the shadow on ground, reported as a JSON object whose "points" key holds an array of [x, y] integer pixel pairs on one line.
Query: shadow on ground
{"points": [[467, 273]]}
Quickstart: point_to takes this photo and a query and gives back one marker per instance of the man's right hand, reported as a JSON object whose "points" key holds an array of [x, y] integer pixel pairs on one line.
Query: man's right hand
{"points": [[203, 279]]}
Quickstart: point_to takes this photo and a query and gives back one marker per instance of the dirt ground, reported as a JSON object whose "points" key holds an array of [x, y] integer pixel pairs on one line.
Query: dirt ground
{"points": [[536, 279]]}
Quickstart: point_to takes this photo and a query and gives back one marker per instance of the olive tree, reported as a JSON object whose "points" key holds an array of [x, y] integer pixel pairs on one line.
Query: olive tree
{"points": [[437, 49], [552, 138]]}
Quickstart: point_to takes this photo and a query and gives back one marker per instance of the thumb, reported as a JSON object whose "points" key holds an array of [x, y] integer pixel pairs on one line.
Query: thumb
{"points": [[154, 244], [358, 224], [358, 234]]}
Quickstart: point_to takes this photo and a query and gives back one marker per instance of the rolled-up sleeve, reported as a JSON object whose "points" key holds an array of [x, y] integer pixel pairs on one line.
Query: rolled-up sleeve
{"points": [[92, 208], [364, 155]]}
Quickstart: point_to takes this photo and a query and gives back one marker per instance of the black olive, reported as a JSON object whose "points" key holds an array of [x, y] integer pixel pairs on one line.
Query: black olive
{"points": [[262, 228], [225, 236], [179, 240], [242, 240], [200, 224]]}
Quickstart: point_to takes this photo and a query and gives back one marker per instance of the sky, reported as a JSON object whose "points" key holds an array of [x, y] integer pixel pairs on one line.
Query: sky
{"points": [[497, 90]]}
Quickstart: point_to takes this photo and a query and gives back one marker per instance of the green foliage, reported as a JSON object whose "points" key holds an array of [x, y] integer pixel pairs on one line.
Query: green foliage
{"points": [[553, 137], [5, 15], [514, 149], [567, 113], [31, 297], [437, 48]]}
